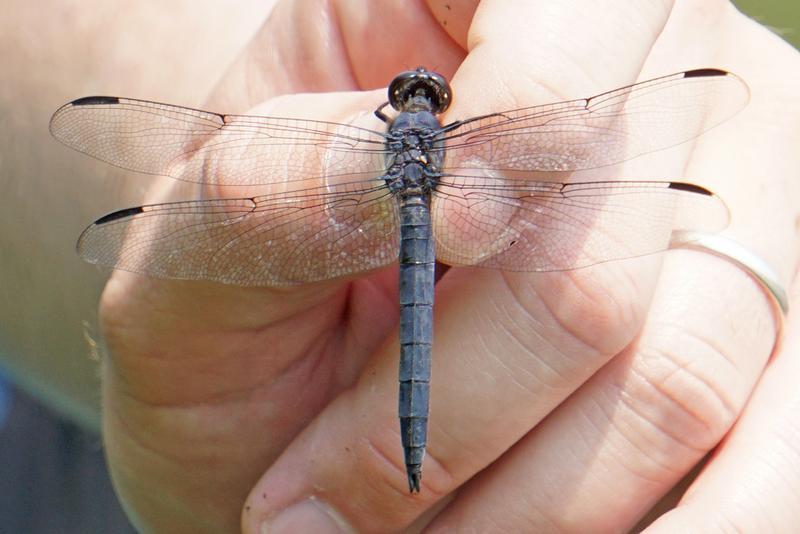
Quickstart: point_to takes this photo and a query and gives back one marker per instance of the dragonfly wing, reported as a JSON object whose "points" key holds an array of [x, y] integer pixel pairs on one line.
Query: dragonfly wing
{"points": [[603, 130], [275, 240], [204, 147], [547, 226]]}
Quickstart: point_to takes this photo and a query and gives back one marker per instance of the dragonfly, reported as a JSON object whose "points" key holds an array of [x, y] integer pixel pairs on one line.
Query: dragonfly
{"points": [[502, 190]]}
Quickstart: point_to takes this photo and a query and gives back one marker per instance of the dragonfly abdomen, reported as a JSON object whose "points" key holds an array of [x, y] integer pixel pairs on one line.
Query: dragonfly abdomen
{"points": [[417, 263]]}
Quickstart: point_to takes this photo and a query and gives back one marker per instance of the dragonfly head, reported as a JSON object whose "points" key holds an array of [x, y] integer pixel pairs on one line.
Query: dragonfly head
{"points": [[418, 90]]}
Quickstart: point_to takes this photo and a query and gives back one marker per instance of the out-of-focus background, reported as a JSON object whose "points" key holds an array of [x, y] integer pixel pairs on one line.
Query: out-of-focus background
{"points": [[782, 16], [52, 472]]}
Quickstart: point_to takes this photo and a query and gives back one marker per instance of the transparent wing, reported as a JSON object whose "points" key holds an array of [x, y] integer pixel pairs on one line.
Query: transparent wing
{"points": [[203, 147], [602, 130], [304, 234], [273, 240], [546, 226]]}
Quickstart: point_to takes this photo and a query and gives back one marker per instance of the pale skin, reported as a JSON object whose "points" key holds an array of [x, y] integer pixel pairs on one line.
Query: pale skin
{"points": [[561, 401]]}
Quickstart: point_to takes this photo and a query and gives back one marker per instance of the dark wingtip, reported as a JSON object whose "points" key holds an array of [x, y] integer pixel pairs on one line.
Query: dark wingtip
{"points": [[95, 100], [121, 214], [414, 477], [704, 73], [691, 188]]}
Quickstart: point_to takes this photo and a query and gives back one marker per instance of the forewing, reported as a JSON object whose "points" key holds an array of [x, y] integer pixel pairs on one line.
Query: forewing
{"points": [[204, 147], [275, 240], [546, 226], [602, 130]]}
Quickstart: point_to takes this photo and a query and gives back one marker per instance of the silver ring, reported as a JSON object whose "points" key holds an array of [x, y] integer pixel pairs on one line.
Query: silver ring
{"points": [[734, 251]]}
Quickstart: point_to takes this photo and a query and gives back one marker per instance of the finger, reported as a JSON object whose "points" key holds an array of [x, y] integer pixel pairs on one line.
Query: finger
{"points": [[340, 108], [751, 483], [509, 349], [630, 429], [748, 164], [321, 46], [199, 370], [127, 300], [249, 352], [552, 51], [623, 439], [773, 199]]}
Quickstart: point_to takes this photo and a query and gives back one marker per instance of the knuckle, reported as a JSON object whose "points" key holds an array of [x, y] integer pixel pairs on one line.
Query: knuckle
{"points": [[691, 396], [381, 461]]}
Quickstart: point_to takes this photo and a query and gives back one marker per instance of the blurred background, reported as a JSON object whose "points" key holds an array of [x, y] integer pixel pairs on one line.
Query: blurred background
{"points": [[782, 16], [52, 472]]}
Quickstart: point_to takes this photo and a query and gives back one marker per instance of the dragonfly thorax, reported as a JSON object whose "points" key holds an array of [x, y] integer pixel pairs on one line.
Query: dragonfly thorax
{"points": [[413, 180], [412, 136], [414, 161]]}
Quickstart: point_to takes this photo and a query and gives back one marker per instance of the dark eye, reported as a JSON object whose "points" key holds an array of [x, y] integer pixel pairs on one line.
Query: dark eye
{"points": [[420, 83]]}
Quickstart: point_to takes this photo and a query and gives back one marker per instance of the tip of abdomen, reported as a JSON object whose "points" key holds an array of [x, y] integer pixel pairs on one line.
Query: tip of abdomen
{"points": [[414, 477]]}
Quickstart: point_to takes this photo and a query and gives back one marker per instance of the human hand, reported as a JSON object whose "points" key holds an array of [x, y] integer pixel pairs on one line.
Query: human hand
{"points": [[213, 389]]}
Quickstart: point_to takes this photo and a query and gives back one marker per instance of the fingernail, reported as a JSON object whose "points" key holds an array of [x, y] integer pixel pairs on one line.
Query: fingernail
{"points": [[310, 515]]}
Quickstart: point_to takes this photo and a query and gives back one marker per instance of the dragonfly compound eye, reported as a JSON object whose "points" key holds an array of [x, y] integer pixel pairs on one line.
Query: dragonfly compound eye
{"points": [[412, 88]]}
